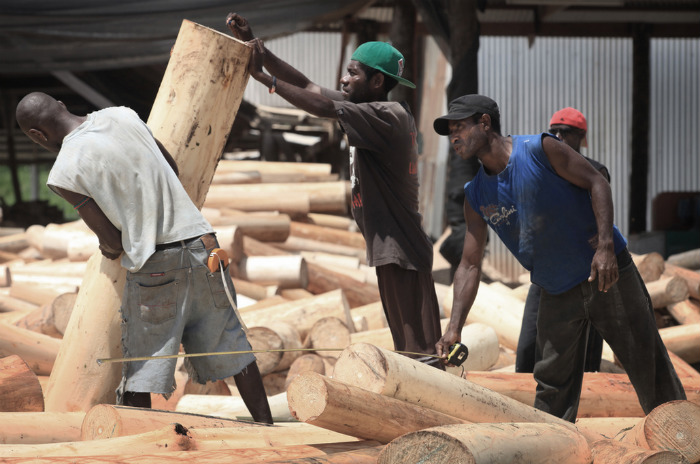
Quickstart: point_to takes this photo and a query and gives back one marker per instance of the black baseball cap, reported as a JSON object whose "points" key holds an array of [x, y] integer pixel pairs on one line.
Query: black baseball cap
{"points": [[464, 107]]}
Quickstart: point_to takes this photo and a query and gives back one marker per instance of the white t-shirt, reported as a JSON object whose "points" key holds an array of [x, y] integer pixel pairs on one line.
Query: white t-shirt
{"points": [[113, 158]]}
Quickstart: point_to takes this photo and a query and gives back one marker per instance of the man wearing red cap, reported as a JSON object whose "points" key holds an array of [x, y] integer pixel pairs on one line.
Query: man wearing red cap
{"points": [[554, 212], [383, 174], [570, 126]]}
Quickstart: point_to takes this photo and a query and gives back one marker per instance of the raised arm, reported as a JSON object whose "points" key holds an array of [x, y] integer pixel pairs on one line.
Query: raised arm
{"points": [[574, 168], [109, 236], [466, 280]]}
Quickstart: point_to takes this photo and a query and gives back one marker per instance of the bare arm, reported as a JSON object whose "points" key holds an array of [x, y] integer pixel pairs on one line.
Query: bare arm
{"points": [[168, 157], [575, 169], [467, 277], [109, 236]]}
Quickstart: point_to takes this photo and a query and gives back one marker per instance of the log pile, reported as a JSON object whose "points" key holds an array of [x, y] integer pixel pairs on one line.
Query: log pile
{"points": [[338, 394]]}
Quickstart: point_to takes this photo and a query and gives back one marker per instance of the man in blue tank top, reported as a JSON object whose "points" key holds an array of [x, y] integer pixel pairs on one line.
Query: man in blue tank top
{"points": [[554, 212]]}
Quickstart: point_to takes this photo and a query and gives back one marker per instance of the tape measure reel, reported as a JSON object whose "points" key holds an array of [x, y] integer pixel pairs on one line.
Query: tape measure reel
{"points": [[458, 354]]}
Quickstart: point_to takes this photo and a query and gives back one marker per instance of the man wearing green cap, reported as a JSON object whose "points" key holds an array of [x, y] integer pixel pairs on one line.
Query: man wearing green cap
{"points": [[383, 174]]}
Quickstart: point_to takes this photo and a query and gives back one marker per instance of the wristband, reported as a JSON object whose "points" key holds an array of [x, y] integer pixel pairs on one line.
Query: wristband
{"points": [[273, 87]]}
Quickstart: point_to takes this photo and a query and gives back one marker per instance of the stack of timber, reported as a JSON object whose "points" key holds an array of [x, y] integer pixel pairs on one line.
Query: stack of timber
{"points": [[337, 391]]}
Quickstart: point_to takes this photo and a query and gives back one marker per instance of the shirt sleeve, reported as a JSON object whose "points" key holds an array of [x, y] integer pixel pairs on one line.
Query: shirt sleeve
{"points": [[368, 125]]}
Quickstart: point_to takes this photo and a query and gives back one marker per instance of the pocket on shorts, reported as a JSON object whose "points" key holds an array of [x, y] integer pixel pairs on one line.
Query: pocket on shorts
{"points": [[158, 303], [218, 293]]}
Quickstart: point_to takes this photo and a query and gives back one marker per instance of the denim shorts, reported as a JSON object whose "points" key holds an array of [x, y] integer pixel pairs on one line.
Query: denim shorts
{"points": [[174, 299]]}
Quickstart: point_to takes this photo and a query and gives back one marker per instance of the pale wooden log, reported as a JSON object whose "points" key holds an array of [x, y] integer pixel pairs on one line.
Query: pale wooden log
{"points": [[39, 295], [692, 278], [5, 276], [231, 407], [298, 244], [667, 290], [684, 340], [62, 308], [329, 365], [329, 220], [302, 313], [278, 167], [27, 428], [264, 339], [20, 390], [391, 374], [328, 332], [230, 238], [283, 271], [609, 427], [253, 247], [40, 320], [57, 238], [80, 249], [489, 443], [6, 256], [521, 291], [293, 204], [614, 452], [239, 455], [683, 369], [331, 260], [671, 426], [323, 402], [252, 290], [37, 350], [310, 362], [602, 394], [373, 313], [685, 312], [291, 340], [266, 227], [175, 437], [241, 177], [274, 383], [11, 317], [650, 265], [46, 281], [19, 241], [110, 421], [322, 279], [359, 456], [50, 267], [359, 322], [687, 259], [295, 293], [200, 73], [482, 342], [502, 312], [10, 303], [264, 303], [327, 234], [377, 337], [324, 197]]}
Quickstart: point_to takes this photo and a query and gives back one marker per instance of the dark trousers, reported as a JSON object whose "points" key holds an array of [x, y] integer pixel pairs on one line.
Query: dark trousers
{"points": [[624, 317], [411, 309], [527, 355]]}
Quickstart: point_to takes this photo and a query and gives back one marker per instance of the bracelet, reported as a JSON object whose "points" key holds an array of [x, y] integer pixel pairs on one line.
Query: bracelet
{"points": [[81, 203], [273, 87]]}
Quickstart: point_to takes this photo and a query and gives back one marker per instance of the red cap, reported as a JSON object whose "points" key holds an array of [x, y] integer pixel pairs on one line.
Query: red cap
{"points": [[569, 116]]}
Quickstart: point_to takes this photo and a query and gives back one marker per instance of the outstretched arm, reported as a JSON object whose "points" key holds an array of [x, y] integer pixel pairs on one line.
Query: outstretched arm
{"points": [[109, 236], [574, 168], [466, 280]]}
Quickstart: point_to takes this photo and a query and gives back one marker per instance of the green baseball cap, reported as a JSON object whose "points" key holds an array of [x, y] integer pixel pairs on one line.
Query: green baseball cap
{"points": [[383, 57]]}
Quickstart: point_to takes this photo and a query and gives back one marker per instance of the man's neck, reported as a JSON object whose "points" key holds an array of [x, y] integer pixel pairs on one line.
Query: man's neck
{"points": [[499, 150]]}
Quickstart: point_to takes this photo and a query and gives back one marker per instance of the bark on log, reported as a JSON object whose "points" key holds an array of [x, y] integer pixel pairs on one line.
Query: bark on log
{"points": [[667, 290], [687, 259], [175, 437], [232, 407], [283, 271], [302, 313], [692, 278], [306, 363], [20, 390], [328, 332], [206, 70], [37, 350], [650, 265], [684, 340], [391, 374], [333, 405], [613, 452], [489, 443], [673, 426], [31, 428], [327, 234], [239, 455], [110, 421], [685, 312]]}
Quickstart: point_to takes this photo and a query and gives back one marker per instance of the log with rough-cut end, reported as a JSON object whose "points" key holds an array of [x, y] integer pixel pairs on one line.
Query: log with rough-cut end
{"points": [[333, 405], [671, 426], [308, 362], [328, 332], [489, 443], [684, 340], [264, 339], [20, 389], [613, 452], [667, 290]]}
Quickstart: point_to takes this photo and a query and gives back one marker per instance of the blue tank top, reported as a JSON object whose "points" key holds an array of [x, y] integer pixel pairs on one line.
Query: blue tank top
{"points": [[544, 220]]}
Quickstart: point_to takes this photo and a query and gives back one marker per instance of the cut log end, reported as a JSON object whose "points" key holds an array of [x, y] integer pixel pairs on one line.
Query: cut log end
{"points": [[309, 391], [426, 446], [93, 427], [372, 368]]}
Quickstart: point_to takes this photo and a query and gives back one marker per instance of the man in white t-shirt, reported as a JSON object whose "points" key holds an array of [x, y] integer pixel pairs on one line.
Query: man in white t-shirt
{"points": [[125, 186]]}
